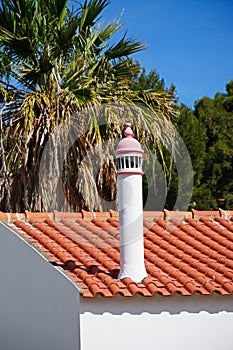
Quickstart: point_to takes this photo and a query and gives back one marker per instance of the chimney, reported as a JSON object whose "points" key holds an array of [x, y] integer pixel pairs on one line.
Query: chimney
{"points": [[129, 172]]}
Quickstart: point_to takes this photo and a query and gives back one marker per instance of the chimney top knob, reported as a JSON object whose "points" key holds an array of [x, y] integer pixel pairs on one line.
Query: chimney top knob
{"points": [[128, 131]]}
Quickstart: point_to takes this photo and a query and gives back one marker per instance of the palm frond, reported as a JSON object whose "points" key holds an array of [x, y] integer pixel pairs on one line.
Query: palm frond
{"points": [[125, 47], [57, 63], [90, 12]]}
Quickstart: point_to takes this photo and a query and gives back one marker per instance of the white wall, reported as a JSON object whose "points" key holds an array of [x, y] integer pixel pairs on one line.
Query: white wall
{"points": [[39, 306], [163, 323]]}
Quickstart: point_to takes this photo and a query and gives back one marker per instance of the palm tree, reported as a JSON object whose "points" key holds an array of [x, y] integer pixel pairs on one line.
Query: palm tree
{"points": [[57, 61]]}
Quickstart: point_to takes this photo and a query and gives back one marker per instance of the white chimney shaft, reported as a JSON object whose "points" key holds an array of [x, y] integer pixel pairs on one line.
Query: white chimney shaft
{"points": [[129, 171]]}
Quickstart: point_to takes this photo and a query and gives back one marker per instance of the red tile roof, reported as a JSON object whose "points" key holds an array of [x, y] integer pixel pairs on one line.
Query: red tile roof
{"points": [[186, 257]]}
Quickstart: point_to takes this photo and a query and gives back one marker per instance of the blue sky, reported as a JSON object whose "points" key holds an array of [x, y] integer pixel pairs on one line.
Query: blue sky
{"points": [[189, 43]]}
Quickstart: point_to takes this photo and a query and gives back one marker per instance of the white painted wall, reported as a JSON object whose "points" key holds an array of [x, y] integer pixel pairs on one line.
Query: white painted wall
{"points": [[161, 323], [39, 306]]}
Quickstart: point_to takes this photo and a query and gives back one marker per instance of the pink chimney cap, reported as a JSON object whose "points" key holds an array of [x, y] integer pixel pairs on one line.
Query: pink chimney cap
{"points": [[128, 144]]}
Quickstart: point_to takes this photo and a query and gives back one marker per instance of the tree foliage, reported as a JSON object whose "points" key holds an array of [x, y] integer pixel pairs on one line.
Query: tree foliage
{"points": [[216, 115], [56, 61], [208, 133]]}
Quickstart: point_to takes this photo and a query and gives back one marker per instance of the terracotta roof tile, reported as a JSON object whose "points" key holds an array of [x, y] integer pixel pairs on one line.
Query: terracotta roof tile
{"points": [[176, 214], [185, 257], [31, 215], [66, 215], [225, 213], [153, 215], [114, 214], [205, 213], [9, 217]]}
